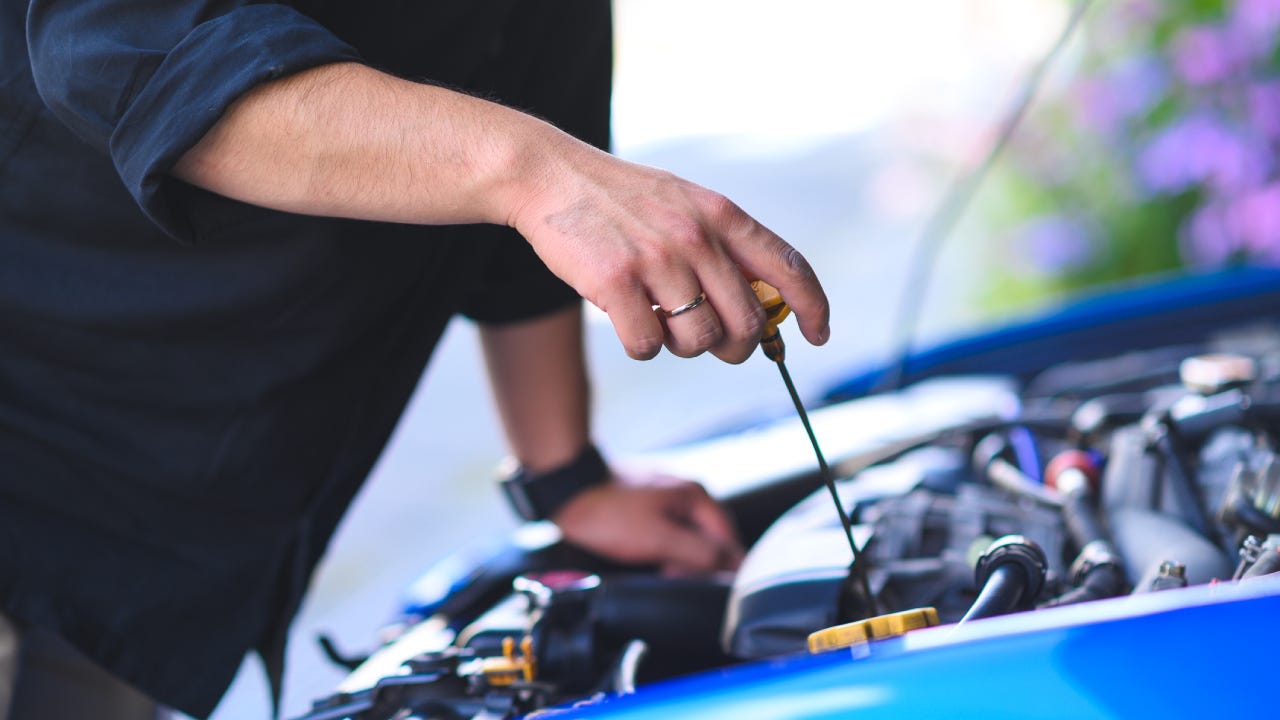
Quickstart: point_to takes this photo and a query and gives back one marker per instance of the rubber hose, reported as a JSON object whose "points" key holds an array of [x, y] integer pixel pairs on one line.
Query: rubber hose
{"points": [[1001, 594], [1181, 484], [1103, 581], [1081, 519], [1146, 539], [1256, 520]]}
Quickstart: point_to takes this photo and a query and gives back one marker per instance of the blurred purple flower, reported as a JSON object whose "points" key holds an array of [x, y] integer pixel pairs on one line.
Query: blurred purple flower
{"points": [[1205, 54], [1255, 219], [1226, 230], [1255, 23], [1126, 90], [1263, 100], [1207, 240], [1263, 15], [1201, 149], [1054, 244]]}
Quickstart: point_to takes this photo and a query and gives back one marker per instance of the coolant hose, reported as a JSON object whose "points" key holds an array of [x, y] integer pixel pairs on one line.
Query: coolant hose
{"points": [[1075, 475], [1097, 571]]}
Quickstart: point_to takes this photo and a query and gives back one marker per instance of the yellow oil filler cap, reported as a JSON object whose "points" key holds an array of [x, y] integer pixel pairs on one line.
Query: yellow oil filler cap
{"points": [[876, 628]]}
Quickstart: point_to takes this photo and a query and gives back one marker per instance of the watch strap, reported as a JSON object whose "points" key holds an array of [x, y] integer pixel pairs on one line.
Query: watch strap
{"points": [[538, 496]]}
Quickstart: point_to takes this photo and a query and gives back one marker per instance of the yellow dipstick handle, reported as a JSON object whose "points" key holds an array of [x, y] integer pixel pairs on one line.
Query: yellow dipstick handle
{"points": [[775, 311]]}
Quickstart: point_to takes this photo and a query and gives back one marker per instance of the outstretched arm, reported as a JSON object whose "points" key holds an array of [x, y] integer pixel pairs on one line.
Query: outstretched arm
{"points": [[346, 140], [540, 384]]}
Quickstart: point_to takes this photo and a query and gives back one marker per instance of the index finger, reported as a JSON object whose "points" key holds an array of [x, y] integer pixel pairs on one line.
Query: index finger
{"points": [[763, 255]]}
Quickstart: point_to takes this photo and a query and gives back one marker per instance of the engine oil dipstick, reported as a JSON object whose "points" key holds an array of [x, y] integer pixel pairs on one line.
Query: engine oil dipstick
{"points": [[776, 310]]}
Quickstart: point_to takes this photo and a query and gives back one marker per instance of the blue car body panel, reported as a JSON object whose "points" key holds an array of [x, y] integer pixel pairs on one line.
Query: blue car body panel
{"points": [[1185, 653], [1180, 310]]}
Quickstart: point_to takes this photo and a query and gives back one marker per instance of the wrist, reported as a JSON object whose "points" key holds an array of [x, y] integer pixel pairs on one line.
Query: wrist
{"points": [[547, 174], [539, 496]]}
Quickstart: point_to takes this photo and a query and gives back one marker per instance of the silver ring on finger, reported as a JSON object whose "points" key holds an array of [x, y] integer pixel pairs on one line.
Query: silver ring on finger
{"points": [[702, 297]]}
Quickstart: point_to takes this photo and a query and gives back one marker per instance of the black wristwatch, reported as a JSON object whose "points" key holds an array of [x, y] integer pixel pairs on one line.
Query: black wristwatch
{"points": [[539, 496]]}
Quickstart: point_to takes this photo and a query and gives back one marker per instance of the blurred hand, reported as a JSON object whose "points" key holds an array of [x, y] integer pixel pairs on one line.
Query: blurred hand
{"points": [[628, 237], [655, 520]]}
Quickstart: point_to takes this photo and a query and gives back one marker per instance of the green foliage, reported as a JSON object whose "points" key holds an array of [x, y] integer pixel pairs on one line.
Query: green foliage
{"points": [[1158, 154]]}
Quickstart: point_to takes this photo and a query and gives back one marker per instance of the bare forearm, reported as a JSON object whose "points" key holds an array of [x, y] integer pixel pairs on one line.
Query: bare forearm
{"points": [[348, 141], [345, 140], [539, 380]]}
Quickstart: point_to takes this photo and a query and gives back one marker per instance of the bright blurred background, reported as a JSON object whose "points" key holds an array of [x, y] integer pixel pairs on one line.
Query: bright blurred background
{"points": [[1155, 151], [841, 124]]}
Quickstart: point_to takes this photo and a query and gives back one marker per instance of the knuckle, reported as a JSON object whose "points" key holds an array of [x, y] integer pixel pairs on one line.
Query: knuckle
{"points": [[794, 262], [689, 235], [643, 348], [721, 209], [682, 351], [623, 271], [737, 346], [736, 354], [753, 323], [708, 333], [655, 250], [730, 219]]}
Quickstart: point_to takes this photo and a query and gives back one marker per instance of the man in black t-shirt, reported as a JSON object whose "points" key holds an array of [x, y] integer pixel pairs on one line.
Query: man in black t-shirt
{"points": [[231, 233]]}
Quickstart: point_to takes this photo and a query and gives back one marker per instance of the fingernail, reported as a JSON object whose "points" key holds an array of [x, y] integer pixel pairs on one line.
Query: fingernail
{"points": [[824, 334]]}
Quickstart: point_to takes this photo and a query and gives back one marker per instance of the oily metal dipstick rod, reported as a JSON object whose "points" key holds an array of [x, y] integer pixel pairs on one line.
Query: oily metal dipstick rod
{"points": [[771, 343]]}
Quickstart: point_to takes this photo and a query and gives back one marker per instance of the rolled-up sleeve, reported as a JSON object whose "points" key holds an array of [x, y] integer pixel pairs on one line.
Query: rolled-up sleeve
{"points": [[144, 80], [513, 284]]}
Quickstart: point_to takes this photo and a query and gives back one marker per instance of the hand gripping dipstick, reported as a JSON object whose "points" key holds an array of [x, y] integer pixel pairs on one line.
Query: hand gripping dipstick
{"points": [[776, 310]]}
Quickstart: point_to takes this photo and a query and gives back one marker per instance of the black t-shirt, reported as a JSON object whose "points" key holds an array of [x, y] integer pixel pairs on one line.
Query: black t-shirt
{"points": [[191, 388]]}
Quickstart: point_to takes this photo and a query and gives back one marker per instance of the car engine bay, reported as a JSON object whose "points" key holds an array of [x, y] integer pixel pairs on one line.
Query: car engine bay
{"points": [[1133, 473]]}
